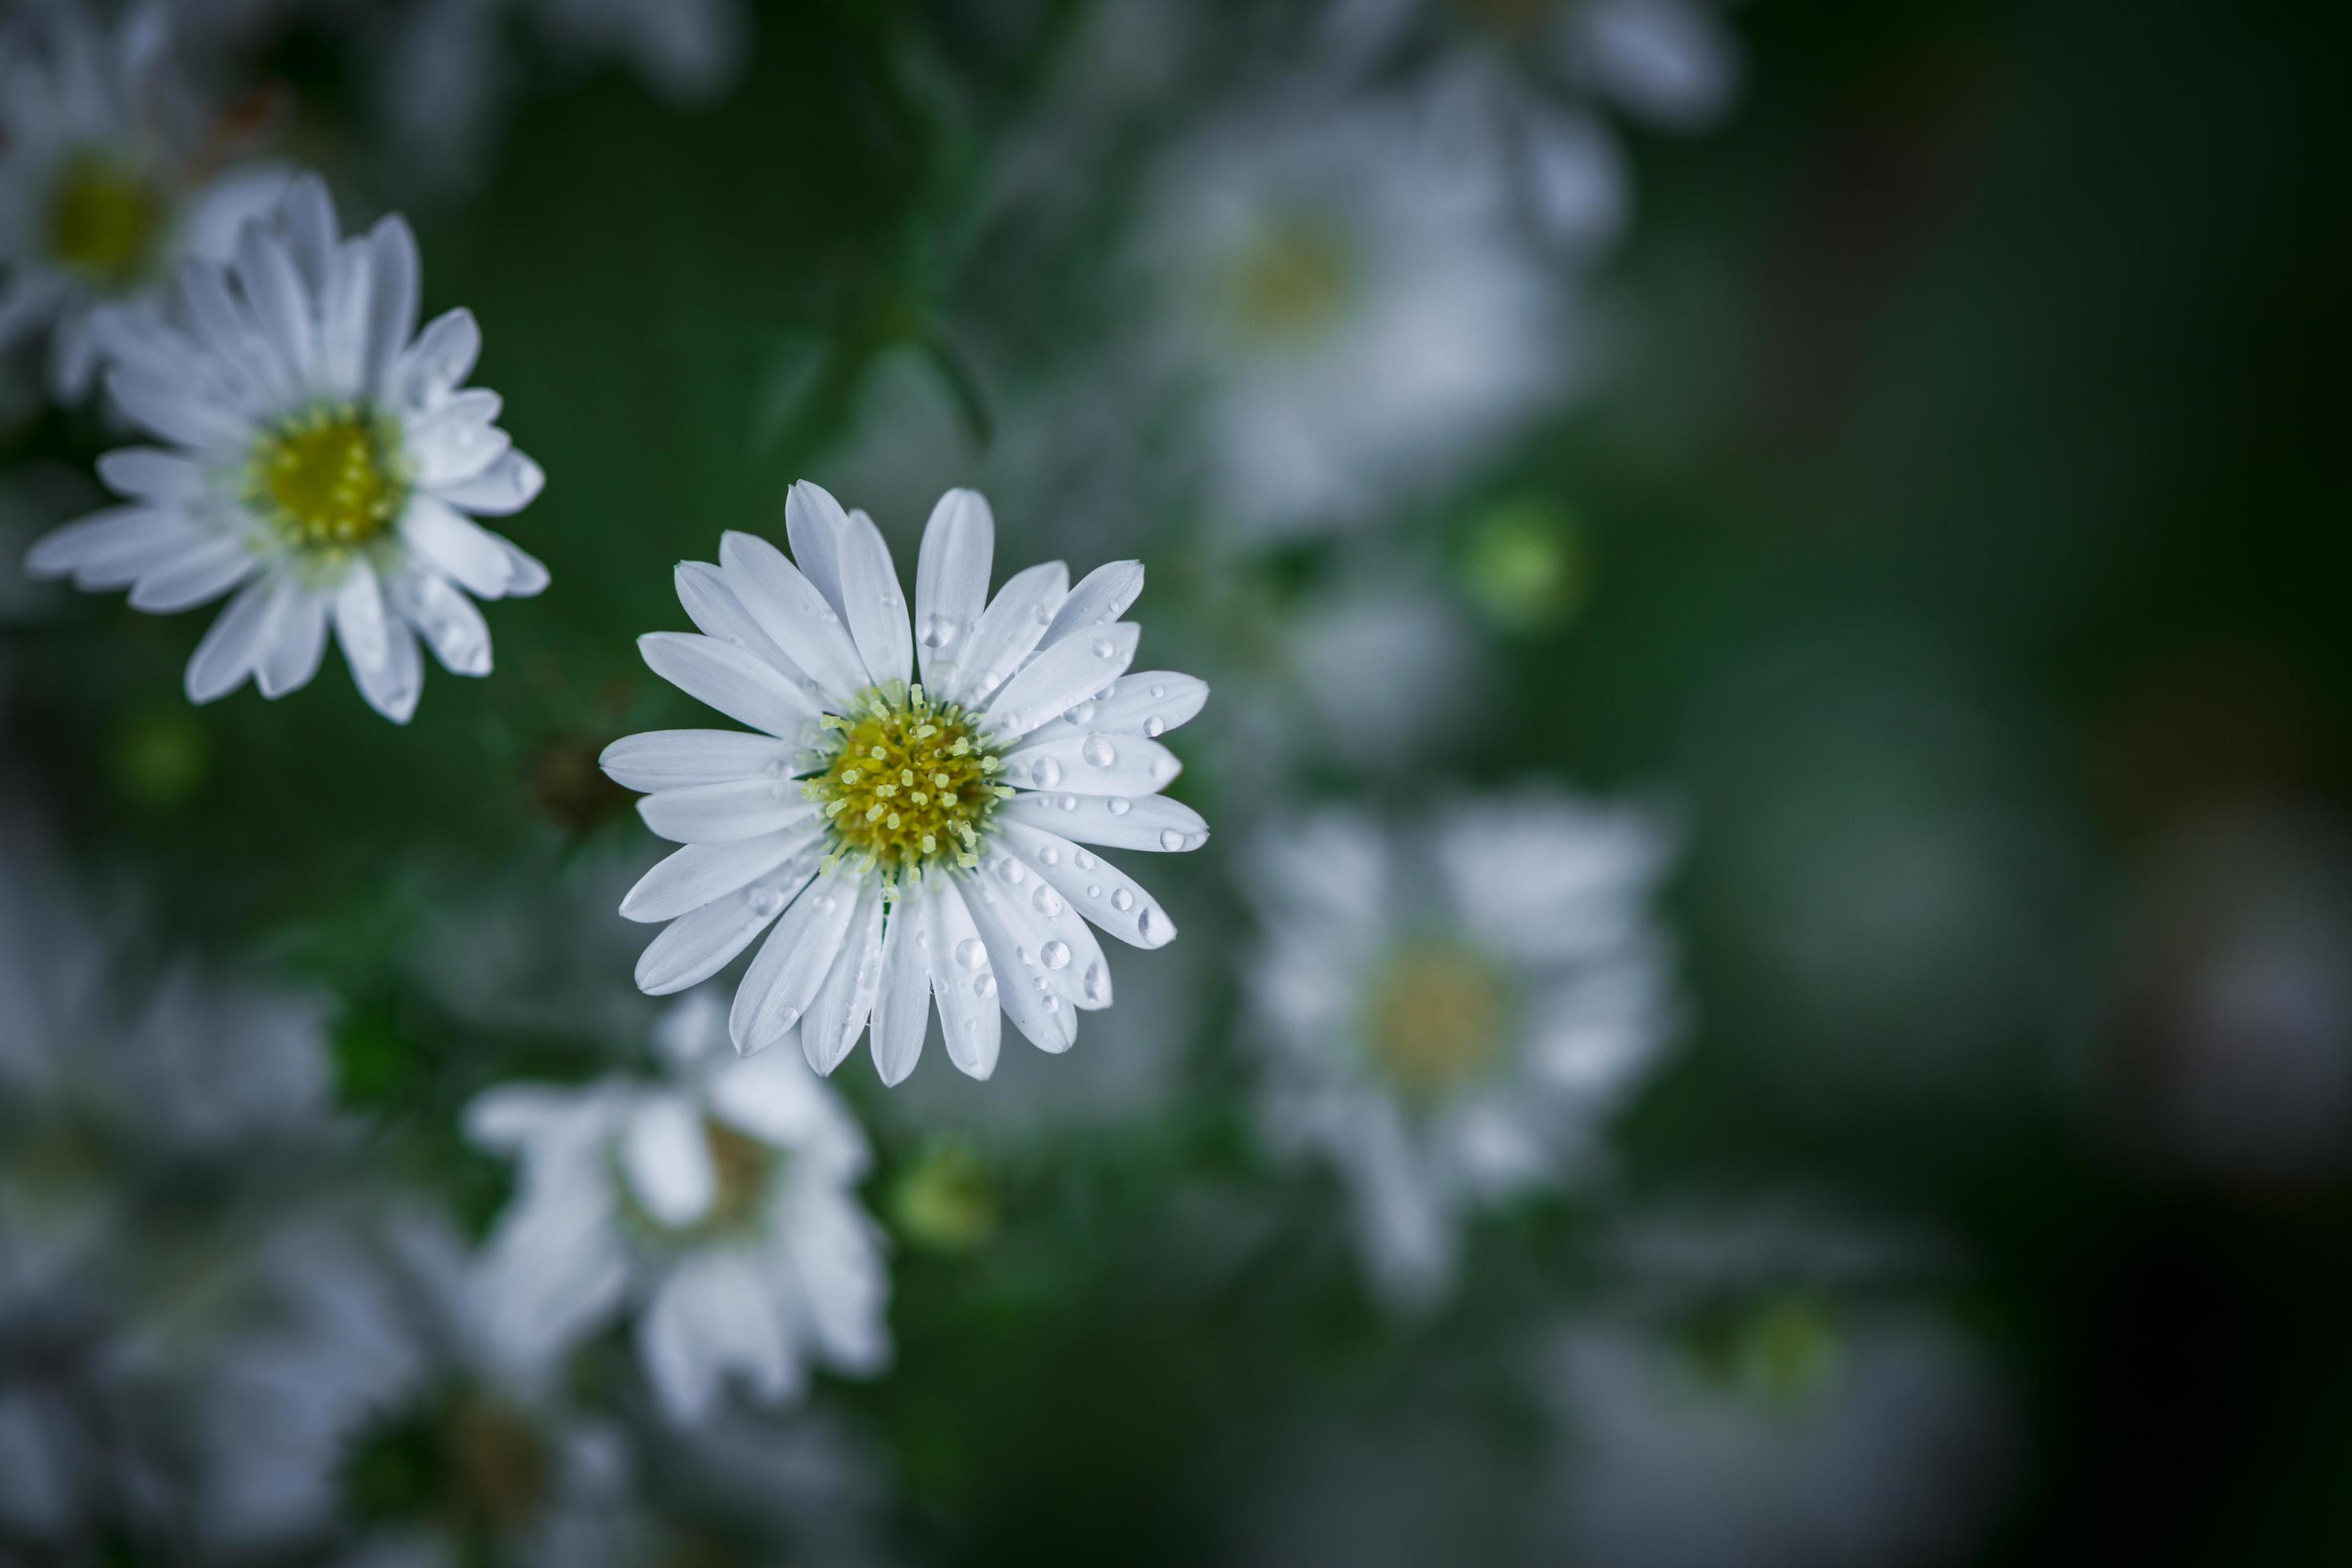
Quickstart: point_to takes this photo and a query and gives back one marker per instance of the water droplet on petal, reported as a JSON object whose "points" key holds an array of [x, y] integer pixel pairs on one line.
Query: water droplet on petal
{"points": [[1010, 870], [1087, 862], [1048, 902], [1096, 985], [1144, 925], [1068, 803], [1083, 713], [971, 952], [1171, 840], [983, 984], [1056, 955], [1155, 727], [766, 901], [1050, 856], [1122, 899], [1099, 751], [1045, 616], [1045, 772], [1117, 806], [1157, 690], [1106, 649], [1094, 889], [938, 632]]}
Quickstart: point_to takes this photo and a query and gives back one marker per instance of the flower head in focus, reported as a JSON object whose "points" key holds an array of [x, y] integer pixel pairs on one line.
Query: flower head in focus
{"points": [[1450, 1017], [910, 840], [322, 462], [718, 1200], [105, 183]]}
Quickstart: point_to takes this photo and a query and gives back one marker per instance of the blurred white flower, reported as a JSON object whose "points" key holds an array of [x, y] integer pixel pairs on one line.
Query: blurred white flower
{"points": [[918, 841], [718, 1202], [107, 182], [1758, 1400], [1450, 1017], [1511, 89], [378, 1393], [1356, 326], [322, 462]]}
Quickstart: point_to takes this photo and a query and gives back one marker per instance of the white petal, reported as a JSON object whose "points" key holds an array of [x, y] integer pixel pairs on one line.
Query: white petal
{"points": [[952, 581], [1059, 677], [666, 1161], [902, 1006], [726, 677], [233, 642], [1095, 889], [1094, 763], [838, 1013], [378, 645], [716, 611], [970, 1021], [813, 524], [526, 576], [189, 574], [696, 946], [1007, 931], [440, 359], [264, 268], [797, 617], [309, 212], [180, 414], [447, 621], [1100, 597], [511, 1116], [455, 546], [724, 813], [151, 474], [710, 1317], [876, 608], [293, 656], [1146, 702], [343, 338], [1148, 822], [393, 314], [773, 1098], [792, 964], [676, 759], [690, 878], [506, 486], [454, 444], [1009, 630], [113, 548]]}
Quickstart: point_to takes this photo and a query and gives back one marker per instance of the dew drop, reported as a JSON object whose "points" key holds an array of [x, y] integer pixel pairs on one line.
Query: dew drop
{"points": [[776, 769], [1049, 855], [1094, 889], [1155, 727], [1171, 840], [971, 952], [1087, 862], [938, 631], [766, 901], [790, 1016], [1045, 616], [1157, 690], [1106, 649], [1117, 806], [1083, 713], [1068, 803], [1045, 772], [1057, 953], [1122, 899], [778, 790], [1052, 1004], [1096, 985], [1010, 871], [1097, 751], [983, 984], [1144, 925], [1048, 902]]}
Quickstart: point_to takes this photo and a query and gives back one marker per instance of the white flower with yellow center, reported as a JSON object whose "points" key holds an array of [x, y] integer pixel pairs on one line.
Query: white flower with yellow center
{"points": [[103, 190], [911, 840], [323, 463], [1449, 1019], [719, 1201]]}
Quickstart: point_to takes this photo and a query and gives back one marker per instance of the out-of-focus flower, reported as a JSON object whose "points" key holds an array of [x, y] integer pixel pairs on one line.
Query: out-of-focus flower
{"points": [[1510, 89], [718, 1201], [1449, 1017], [107, 181], [2227, 1047], [1354, 327], [322, 462], [918, 840], [378, 1410], [1762, 1396]]}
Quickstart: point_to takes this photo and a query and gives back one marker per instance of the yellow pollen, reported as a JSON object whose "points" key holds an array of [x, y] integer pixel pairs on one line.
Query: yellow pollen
{"points": [[328, 479], [911, 740], [1437, 1019], [104, 220]]}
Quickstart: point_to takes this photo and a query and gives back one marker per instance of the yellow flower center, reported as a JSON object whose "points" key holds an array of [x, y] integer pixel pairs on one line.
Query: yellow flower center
{"points": [[1437, 1019], [105, 219], [1294, 281], [330, 477], [909, 784]]}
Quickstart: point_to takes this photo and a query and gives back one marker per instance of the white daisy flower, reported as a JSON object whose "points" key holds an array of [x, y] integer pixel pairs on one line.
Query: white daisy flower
{"points": [[1512, 88], [1449, 1018], [103, 188], [719, 1201], [1354, 321], [909, 841], [322, 462]]}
